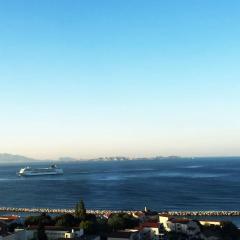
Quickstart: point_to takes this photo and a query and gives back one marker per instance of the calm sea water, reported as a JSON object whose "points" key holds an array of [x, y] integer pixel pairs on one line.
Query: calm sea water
{"points": [[173, 184]]}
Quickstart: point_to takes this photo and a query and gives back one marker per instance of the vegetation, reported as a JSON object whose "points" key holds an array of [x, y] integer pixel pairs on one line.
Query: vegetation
{"points": [[230, 231], [87, 226], [116, 223], [80, 219], [41, 235], [13, 226], [80, 210], [101, 225], [65, 220], [121, 221], [89, 222], [44, 219], [227, 231]]}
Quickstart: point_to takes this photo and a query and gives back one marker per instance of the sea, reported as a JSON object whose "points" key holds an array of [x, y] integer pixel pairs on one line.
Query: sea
{"points": [[159, 184]]}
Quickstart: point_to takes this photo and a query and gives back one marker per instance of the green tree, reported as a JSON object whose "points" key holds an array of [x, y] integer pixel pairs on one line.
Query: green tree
{"points": [[101, 225], [80, 210], [31, 220], [121, 221], [87, 226], [116, 222], [45, 219], [129, 220], [230, 231], [41, 235], [13, 226], [65, 220]]}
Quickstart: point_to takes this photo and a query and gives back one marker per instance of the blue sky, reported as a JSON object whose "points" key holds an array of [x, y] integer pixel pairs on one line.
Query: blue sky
{"points": [[133, 78]]}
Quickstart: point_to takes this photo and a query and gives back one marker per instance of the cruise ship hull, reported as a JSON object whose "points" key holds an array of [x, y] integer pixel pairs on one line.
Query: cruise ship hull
{"points": [[40, 174], [27, 171]]}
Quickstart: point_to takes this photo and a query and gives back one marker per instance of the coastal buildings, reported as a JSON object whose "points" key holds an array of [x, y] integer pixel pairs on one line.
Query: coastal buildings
{"points": [[139, 215], [210, 222], [116, 227], [150, 231], [194, 229], [10, 218], [53, 233], [184, 226], [163, 219]]}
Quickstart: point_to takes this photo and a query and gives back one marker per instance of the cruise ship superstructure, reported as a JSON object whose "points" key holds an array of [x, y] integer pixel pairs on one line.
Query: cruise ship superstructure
{"points": [[29, 171]]}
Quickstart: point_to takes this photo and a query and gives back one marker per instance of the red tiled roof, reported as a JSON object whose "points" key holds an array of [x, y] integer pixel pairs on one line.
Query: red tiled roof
{"points": [[150, 224], [180, 220], [9, 218], [165, 215]]}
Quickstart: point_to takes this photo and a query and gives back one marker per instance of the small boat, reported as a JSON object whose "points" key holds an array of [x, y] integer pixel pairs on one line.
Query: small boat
{"points": [[29, 171]]}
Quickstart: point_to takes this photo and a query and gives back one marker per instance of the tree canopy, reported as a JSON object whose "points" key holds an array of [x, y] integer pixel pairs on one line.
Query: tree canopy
{"points": [[41, 235], [44, 219], [65, 220], [80, 210], [121, 221], [87, 226]]}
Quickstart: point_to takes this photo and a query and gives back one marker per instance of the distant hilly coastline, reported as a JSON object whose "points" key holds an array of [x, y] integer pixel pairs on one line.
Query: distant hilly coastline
{"points": [[11, 158]]}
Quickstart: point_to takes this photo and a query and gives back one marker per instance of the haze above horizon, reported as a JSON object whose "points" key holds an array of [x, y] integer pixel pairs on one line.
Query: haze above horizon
{"points": [[119, 78]]}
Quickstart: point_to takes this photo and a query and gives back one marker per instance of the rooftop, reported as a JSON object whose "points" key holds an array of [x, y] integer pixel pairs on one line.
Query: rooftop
{"points": [[180, 220], [9, 218], [139, 214], [213, 221], [54, 228], [150, 224]]}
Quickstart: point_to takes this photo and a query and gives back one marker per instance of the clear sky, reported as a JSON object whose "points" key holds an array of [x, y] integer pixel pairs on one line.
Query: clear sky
{"points": [[119, 77]]}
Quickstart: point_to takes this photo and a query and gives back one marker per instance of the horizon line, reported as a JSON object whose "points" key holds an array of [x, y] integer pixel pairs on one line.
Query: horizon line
{"points": [[120, 157]]}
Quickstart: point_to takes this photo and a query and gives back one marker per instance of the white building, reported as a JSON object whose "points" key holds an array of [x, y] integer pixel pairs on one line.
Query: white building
{"points": [[180, 225], [149, 231], [52, 233], [210, 222], [10, 219], [163, 219], [185, 226]]}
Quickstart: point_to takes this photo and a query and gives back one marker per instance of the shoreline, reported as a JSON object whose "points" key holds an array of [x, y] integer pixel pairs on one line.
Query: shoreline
{"points": [[102, 212]]}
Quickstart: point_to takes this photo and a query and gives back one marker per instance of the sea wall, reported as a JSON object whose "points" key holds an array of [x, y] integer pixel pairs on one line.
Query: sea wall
{"points": [[102, 212], [203, 213]]}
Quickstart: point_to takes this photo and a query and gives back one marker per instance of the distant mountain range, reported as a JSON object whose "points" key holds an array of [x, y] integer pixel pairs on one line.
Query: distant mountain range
{"points": [[10, 158]]}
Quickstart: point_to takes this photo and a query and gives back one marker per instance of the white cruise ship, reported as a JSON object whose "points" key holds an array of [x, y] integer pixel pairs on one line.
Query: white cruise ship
{"points": [[28, 171]]}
